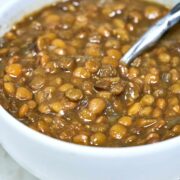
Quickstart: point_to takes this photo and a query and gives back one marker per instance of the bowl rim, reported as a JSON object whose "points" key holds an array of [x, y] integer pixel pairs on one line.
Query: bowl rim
{"points": [[81, 149], [84, 150]]}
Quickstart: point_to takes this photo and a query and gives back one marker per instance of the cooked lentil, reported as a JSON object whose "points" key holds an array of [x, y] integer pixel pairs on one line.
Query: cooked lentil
{"points": [[60, 74]]}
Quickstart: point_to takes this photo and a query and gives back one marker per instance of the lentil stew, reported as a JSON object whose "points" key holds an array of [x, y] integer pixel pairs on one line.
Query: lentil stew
{"points": [[60, 74]]}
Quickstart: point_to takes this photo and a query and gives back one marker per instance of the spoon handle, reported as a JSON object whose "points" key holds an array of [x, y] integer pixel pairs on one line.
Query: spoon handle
{"points": [[153, 34]]}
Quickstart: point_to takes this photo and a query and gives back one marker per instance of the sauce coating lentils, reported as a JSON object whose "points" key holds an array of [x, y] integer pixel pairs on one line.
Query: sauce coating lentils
{"points": [[60, 74]]}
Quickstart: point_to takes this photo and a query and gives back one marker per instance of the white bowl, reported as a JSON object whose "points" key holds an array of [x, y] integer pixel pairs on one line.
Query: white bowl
{"points": [[51, 159]]}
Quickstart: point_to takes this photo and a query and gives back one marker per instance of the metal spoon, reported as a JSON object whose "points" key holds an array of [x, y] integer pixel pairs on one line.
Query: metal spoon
{"points": [[153, 34]]}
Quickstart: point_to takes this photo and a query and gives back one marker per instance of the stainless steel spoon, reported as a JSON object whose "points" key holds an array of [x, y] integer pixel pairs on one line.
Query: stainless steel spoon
{"points": [[153, 34]]}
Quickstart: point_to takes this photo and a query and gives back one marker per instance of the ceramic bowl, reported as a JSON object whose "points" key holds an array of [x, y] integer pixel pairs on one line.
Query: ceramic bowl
{"points": [[51, 159]]}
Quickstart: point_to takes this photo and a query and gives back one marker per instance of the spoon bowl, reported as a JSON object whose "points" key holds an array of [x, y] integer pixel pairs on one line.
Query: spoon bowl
{"points": [[153, 35]]}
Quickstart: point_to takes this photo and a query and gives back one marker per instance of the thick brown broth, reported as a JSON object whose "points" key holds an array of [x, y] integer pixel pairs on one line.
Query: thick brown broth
{"points": [[60, 74]]}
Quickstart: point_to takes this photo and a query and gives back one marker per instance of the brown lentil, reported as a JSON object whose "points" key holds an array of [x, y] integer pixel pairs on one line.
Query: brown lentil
{"points": [[152, 12], [134, 109], [23, 110], [81, 72], [92, 66], [74, 94], [14, 70], [9, 88], [97, 105], [86, 115], [98, 139], [117, 131], [147, 100], [125, 120], [23, 93], [66, 87], [81, 139]]}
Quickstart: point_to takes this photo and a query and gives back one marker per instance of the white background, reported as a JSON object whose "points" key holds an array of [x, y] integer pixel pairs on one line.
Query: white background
{"points": [[9, 170]]}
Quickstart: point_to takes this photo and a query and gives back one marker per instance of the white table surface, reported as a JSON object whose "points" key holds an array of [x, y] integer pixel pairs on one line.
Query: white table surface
{"points": [[10, 170]]}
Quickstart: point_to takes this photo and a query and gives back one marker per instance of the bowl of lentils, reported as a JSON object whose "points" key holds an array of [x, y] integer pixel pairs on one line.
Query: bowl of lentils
{"points": [[70, 109]]}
